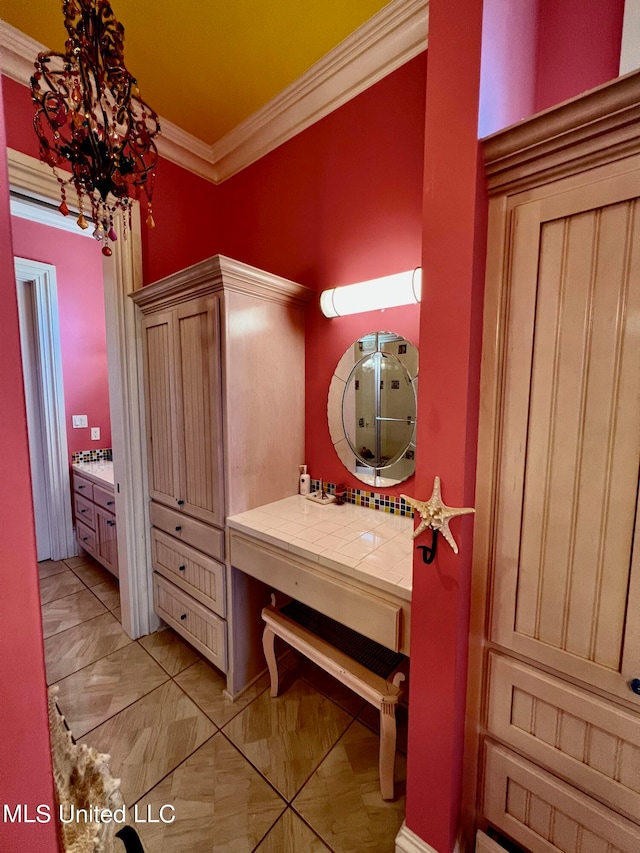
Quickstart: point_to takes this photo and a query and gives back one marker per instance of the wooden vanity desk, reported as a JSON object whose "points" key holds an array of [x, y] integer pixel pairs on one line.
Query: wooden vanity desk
{"points": [[349, 562]]}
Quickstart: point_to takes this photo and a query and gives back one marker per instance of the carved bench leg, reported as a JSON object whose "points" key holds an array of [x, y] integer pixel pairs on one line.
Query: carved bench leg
{"points": [[387, 757], [268, 644]]}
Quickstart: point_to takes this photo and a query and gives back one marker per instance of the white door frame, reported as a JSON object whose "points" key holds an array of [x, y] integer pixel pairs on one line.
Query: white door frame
{"points": [[122, 275], [42, 280]]}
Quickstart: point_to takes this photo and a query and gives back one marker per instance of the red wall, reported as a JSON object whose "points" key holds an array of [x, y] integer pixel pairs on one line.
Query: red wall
{"points": [[78, 264], [454, 238], [25, 756], [508, 67], [578, 47], [339, 203]]}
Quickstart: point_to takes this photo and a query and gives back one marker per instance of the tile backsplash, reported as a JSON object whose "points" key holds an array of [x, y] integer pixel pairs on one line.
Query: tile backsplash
{"points": [[92, 455], [393, 504]]}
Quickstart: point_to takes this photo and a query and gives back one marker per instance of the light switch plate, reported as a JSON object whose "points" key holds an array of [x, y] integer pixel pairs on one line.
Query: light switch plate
{"points": [[79, 421], [95, 433]]}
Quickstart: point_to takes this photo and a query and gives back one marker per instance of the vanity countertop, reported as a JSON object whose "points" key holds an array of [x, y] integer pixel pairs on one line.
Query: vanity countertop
{"points": [[375, 547], [100, 471]]}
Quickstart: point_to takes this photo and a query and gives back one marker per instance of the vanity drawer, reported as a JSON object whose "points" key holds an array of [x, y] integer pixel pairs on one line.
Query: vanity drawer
{"points": [[84, 510], [104, 497], [198, 625], [195, 573], [546, 815], [83, 487], [186, 529], [343, 601], [572, 732], [86, 537]]}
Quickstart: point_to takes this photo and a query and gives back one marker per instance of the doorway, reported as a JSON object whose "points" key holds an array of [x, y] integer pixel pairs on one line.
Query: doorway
{"points": [[32, 180], [42, 370]]}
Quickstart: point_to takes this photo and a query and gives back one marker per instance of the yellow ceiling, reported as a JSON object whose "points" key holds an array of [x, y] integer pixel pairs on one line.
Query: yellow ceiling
{"points": [[206, 65]]}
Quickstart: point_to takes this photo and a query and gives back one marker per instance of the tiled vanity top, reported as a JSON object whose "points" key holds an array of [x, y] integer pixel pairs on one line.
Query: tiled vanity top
{"points": [[374, 547], [99, 471]]}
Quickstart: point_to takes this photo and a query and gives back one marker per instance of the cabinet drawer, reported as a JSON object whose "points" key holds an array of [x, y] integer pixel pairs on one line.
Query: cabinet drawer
{"points": [[193, 572], [186, 529], [86, 537], [546, 815], [371, 615], [104, 497], [592, 743], [83, 487], [84, 510], [199, 626]]}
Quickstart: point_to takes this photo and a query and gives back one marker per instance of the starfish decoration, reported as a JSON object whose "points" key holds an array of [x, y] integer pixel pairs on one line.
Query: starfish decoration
{"points": [[436, 514]]}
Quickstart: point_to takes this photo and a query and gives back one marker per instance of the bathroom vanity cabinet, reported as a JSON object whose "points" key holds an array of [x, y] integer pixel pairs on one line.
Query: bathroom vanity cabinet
{"points": [[223, 364], [94, 512]]}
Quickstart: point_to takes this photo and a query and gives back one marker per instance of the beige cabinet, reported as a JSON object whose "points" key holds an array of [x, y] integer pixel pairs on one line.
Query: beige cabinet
{"points": [[183, 393], [557, 571], [223, 360], [95, 519]]}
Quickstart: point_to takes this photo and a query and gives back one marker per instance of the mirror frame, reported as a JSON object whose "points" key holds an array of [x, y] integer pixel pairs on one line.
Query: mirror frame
{"points": [[355, 465]]}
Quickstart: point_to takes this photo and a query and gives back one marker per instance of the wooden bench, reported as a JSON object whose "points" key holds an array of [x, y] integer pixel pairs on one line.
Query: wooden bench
{"points": [[383, 693]]}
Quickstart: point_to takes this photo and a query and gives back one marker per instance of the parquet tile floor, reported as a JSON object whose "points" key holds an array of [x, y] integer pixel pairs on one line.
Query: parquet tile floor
{"points": [[295, 774]]}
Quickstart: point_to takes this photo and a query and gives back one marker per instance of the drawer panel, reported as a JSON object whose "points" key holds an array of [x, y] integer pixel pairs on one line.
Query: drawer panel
{"points": [[84, 510], [546, 815], [194, 572], [366, 613], [202, 536], [199, 626], [82, 486], [584, 738], [104, 497], [86, 537]]}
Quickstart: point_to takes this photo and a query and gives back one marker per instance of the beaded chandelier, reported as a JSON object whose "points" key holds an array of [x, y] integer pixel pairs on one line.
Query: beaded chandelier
{"points": [[90, 117]]}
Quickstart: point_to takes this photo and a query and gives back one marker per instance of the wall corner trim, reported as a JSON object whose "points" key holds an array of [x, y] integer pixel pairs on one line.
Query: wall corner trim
{"points": [[392, 37]]}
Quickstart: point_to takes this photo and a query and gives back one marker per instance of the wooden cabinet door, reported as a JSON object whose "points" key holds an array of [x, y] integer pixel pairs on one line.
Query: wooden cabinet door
{"points": [[107, 538], [198, 409], [566, 590], [158, 334]]}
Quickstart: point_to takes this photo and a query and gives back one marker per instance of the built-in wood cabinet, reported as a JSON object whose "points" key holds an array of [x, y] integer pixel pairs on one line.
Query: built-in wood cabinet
{"points": [[184, 394], [223, 363], [554, 687], [95, 519]]}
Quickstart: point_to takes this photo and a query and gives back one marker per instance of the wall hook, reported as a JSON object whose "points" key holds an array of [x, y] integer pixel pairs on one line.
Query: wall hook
{"points": [[436, 515], [429, 551]]}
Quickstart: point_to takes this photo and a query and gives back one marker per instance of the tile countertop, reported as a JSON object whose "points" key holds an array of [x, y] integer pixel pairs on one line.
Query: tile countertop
{"points": [[102, 470], [375, 547]]}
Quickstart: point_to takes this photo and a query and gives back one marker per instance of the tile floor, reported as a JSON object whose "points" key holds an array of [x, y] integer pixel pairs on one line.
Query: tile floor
{"points": [[296, 774]]}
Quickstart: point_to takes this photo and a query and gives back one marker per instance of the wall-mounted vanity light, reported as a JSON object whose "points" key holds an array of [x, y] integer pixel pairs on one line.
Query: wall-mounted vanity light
{"points": [[404, 288]]}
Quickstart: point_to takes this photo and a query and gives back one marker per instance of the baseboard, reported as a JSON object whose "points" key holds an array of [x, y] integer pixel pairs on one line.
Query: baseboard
{"points": [[408, 842]]}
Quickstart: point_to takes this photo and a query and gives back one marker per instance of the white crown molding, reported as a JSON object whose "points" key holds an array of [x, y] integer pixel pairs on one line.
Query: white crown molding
{"points": [[391, 38], [396, 34], [17, 53]]}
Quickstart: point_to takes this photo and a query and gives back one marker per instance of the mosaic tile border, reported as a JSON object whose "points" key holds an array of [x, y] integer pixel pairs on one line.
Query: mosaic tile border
{"points": [[93, 455], [393, 504]]}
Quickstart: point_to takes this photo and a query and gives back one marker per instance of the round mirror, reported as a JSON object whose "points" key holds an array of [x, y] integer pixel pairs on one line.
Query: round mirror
{"points": [[372, 408]]}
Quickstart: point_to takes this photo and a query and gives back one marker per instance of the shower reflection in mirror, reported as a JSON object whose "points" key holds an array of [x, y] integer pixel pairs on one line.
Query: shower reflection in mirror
{"points": [[372, 408]]}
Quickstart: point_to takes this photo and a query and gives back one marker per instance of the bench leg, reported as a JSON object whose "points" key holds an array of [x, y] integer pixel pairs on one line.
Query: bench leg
{"points": [[387, 757], [268, 644]]}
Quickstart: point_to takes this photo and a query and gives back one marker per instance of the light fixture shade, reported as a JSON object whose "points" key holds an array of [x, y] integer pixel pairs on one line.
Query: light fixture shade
{"points": [[404, 288]]}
